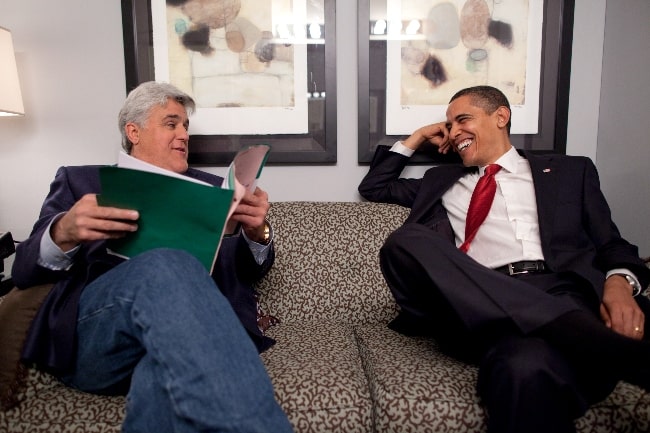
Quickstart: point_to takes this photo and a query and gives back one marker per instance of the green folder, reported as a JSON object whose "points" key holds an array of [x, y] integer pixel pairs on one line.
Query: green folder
{"points": [[174, 213]]}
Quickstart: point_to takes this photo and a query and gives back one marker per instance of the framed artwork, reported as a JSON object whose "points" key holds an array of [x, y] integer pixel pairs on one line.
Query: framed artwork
{"points": [[260, 71], [414, 55]]}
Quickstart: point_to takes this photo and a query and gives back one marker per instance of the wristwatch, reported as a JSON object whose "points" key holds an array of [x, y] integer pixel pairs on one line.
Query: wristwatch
{"points": [[266, 236], [636, 287]]}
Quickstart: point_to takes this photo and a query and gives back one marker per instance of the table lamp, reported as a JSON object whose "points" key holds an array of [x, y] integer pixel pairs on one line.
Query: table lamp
{"points": [[11, 104], [11, 101]]}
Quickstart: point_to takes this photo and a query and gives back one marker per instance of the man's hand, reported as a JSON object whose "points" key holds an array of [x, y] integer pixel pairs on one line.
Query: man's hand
{"points": [[87, 221], [436, 134], [251, 212], [619, 310]]}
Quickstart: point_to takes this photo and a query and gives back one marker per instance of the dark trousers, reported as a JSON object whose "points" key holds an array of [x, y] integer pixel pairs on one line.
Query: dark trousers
{"points": [[483, 316]]}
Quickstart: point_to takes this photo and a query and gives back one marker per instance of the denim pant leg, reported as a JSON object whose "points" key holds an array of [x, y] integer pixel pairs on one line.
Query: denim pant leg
{"points": [[161, 315]]}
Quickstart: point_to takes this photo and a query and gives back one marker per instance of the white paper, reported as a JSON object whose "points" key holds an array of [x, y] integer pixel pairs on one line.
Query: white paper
{"points": [[125, 160]]}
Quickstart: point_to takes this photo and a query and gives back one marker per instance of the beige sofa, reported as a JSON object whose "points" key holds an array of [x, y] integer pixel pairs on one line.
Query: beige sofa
{"points": [[336, 367]]}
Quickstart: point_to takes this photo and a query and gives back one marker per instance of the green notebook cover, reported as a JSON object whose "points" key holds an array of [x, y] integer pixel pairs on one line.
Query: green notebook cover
{"points": [[174, 213]]}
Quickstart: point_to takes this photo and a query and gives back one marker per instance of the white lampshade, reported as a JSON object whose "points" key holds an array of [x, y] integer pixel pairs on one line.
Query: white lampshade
{"points": [[11, 100]]}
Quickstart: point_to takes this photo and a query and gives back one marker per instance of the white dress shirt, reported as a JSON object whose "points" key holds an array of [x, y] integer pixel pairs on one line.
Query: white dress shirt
{"points": [[510, 232]]}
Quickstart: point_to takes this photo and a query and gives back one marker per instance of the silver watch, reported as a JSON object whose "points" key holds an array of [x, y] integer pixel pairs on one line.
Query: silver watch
{"points": [[636, 287]]}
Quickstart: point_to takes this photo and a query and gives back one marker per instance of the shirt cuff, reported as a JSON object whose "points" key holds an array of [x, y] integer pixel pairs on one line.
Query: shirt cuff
{"points": [[260, 251], [398, 147], [636, 287], [50, 255]]}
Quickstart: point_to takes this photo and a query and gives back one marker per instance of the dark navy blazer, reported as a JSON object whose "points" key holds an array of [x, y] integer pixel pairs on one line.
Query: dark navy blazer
{"points": [[51, 339]]}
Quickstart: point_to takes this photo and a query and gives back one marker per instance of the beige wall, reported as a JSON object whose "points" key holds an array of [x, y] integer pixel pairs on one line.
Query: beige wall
{"points": [[69, 55]]}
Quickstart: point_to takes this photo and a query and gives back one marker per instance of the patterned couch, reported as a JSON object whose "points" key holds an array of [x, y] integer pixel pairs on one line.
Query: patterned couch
{"points": [[336, 367]]}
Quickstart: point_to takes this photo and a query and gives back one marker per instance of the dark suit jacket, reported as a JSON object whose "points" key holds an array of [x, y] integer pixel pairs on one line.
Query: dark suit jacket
{"points": [[51, 340], [576, 228]]}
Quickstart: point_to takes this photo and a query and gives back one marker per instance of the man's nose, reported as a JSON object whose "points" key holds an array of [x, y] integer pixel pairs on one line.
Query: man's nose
{"points": [[453, 133]]}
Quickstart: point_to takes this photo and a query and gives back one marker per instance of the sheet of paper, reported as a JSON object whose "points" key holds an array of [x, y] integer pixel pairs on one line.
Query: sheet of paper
{"points": [[125, 160]]}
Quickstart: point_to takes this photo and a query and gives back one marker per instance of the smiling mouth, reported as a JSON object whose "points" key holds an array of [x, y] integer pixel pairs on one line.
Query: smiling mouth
{"points": [[464, 145]]}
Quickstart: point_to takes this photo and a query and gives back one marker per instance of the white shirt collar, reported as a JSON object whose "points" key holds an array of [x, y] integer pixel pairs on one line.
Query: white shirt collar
{"points": [[508, 161]]}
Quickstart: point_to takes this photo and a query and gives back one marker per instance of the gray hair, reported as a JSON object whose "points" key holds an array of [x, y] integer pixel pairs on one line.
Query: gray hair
{"points": [[142, 99]]}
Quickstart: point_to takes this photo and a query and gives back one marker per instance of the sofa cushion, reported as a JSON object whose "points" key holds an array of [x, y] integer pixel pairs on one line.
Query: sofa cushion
{"points": [[327, 264], [318, 377], [625, 410], [418, 388], [415, 387], [49, 406], [17, 309]]}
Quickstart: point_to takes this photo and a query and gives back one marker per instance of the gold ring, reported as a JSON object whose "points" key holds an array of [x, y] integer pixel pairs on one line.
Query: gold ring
{"points": [[637, 329]]}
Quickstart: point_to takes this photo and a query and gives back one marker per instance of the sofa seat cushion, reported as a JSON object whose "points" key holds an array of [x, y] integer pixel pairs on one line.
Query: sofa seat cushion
{"points": [[49, 406], [418, 388], [625, 410], [318, 377]]}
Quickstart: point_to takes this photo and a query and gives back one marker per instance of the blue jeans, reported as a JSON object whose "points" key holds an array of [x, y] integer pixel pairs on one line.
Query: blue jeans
{"points": [[158, 326]]}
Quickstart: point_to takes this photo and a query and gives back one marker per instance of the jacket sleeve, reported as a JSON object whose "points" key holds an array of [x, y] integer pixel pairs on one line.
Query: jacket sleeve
{"points": [[26, 271], [382, 182], [612, 251]]}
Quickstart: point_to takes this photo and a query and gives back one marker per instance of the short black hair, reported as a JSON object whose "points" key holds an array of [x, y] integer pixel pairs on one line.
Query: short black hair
{"points": [[486, 97]]}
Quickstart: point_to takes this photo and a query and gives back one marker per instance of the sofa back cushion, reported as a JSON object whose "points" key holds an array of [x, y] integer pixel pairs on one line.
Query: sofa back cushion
{"points": [[327, 263]]}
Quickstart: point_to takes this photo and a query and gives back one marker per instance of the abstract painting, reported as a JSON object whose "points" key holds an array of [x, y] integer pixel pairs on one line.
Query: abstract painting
{"points": [[446, 45], [415, 54], [239, 60]]}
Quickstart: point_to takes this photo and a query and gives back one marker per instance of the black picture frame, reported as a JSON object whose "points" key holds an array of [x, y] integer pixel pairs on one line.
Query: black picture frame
{"points": [[318, 146], [554, 87]]}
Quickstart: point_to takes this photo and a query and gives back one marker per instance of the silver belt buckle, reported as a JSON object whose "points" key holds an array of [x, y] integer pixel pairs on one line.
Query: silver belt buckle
{"points": [[511, 270]]}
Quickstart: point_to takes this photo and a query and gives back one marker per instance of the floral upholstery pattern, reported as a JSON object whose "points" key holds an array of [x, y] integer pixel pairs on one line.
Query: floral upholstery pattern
{"points": [[318, 377], [49, 406], [336, 367], [327, 262], [413, 384]]}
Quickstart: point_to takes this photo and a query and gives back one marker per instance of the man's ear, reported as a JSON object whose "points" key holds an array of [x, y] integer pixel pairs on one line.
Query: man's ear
{"points": [[503, 116], [132, 132]]}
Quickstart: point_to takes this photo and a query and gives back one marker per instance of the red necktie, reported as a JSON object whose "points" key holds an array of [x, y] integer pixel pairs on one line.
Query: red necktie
{"points": [[480, 204]]}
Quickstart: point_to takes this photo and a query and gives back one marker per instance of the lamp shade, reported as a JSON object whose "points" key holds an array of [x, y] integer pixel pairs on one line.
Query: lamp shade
{"points": [[11, 100]]}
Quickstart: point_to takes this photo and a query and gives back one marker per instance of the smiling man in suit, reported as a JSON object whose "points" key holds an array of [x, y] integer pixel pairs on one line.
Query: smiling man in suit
{"points": [[511, 260]]}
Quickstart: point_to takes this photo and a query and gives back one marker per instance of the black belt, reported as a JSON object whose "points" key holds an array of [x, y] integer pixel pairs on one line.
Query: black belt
{"points": [[523, 267]]}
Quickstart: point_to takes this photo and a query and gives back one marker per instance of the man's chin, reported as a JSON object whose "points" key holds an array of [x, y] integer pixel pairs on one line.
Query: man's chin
{"points": [[467, 161], [178, 167]]}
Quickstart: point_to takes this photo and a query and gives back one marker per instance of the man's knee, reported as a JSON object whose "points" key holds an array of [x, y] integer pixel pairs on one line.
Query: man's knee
{"points": [[163, 271], [162, 259], [408, 236], [524, 363]]}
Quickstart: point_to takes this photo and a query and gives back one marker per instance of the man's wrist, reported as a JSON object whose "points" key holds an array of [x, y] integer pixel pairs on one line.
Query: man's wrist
{"points": [[261, 235], [266, 233], [399, 147], [630, 278]]}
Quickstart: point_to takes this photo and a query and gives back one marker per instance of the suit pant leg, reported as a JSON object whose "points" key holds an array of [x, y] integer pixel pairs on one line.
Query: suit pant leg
{"points": [[525, 383], [427, 274], [528, 386]]}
